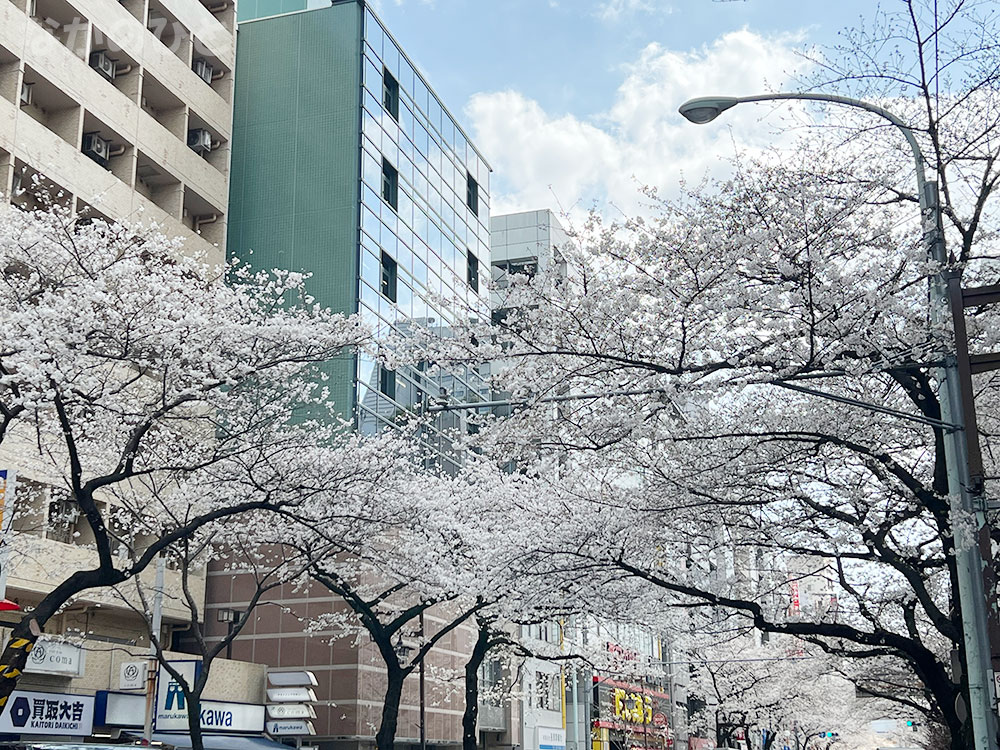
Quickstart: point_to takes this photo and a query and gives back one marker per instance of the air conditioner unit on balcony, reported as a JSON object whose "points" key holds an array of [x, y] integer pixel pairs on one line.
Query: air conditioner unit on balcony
{"points": [[203, 69], [103, 64], [26, 92], [200, 140], [97, 148]]}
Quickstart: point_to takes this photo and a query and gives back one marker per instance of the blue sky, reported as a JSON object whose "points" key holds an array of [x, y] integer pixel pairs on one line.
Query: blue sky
{"points": [[574, 101]]}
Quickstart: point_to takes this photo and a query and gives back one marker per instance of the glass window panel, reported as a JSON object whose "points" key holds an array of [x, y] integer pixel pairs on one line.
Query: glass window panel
{"points": [[404, 300], [370, 223], [371, 129], [372, 76], [373, 31], [371, 170], [406, 166], [434, 113], [405, 75], [388, 218], [372, 104], [370, 271], [405, 235], [369, 296], [390, 56], [420, 138], [420, 271], [404, 258], [406, 120], [406, 146], [434, 263], [369, 197], [420, 93]]}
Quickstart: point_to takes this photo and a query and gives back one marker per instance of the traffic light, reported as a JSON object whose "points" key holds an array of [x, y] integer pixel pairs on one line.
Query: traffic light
{"points": [[911, 724]]}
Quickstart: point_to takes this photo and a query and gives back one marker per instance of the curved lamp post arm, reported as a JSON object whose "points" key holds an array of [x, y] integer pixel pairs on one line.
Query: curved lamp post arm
{"points": [[706, 108]]}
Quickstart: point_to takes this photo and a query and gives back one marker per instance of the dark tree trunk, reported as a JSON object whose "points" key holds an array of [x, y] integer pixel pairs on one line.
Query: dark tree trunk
{"points": [[470, 737], [194, 720], [13, 659], [385, 738]]}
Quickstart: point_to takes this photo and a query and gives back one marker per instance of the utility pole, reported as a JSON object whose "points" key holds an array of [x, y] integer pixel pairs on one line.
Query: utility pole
{"points": [[966, 366], [423, 701], [151, 666]]}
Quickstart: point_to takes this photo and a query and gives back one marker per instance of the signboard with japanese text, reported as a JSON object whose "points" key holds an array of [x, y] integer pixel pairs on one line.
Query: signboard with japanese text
{"points": [[48, 713], [551, 738], [51, 656], [132, 675]]}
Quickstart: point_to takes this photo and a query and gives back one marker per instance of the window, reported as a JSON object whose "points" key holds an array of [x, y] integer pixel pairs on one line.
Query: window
{"points": [[388, 284], [472, 270], [527, 267], [387, 382], [390, 94], [547, 691], [472, 193], [390, 184]]}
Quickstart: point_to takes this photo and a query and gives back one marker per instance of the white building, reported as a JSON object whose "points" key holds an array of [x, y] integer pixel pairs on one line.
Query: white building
{"points": [[121, 110]]}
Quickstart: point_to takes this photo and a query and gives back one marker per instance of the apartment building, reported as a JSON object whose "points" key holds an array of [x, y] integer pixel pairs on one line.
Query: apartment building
{"points": [[120, 110], [117, 110]]}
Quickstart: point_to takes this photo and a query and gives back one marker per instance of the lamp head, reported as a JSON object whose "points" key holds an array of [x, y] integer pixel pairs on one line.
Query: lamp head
{"points": [[706, 108]]}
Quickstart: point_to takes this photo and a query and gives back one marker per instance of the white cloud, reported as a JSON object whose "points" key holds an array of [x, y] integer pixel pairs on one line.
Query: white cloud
{"points": [[540, 158], [613, 10]]}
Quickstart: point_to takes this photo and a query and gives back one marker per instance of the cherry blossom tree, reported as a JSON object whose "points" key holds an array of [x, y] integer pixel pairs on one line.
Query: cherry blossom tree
{"points": [[133, 377], [754, 370]]}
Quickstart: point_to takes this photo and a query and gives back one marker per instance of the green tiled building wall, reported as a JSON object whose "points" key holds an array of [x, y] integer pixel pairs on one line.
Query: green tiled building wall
{"points": [[295, 157], [247, 10]]}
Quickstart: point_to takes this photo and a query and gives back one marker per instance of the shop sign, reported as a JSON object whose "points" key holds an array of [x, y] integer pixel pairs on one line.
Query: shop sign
{"points": [[48, 713], [292, 679], [291, 695], [132, 675], [171, 705], [126, 710], [551, 738], [618, 705], [290, 711], [50, 656], [172, 710], [290, 728]]}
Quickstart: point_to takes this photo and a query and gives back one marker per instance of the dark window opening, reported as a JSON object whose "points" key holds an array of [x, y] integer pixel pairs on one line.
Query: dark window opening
{"points": [[390, 94], [526, 267], [387, 382], [390, 184], [472, 270], [472, 193], [388, 276]]}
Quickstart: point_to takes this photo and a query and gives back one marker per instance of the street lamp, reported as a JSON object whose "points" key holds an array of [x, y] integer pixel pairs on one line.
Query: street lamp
{"points": [[961, 486]]}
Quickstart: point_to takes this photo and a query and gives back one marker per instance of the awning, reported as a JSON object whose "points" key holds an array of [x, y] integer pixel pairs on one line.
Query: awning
{"points": [[221, 741]]}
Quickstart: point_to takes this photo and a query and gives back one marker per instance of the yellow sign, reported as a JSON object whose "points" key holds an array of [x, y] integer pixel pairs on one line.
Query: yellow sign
{"points": [[632, 707]]}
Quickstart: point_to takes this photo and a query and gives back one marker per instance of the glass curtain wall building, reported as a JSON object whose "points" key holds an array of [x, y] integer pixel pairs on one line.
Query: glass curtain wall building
{"points": [[348, 166]]}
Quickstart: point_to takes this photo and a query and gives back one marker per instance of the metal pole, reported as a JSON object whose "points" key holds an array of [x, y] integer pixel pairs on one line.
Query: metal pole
{"points": [[151, 666], [423, 717], [8, 481], [968, 520]]}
